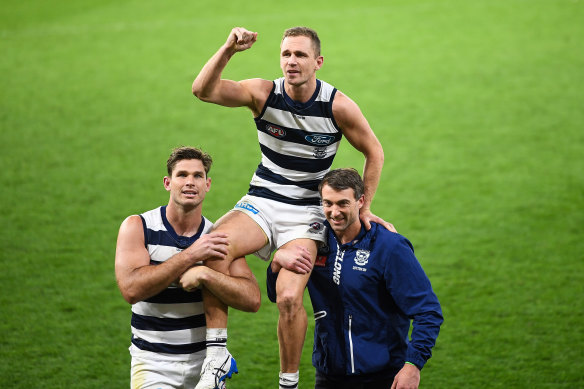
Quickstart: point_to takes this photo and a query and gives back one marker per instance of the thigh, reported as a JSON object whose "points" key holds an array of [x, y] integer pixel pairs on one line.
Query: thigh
{"points": [[244, 234], [156, 374], [381, 384], [323, 382], [298, 222], [148, 374]]}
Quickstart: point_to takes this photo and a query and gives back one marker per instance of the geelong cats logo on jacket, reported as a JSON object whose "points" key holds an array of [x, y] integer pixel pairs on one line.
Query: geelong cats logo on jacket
{"points": [[362, 257]]}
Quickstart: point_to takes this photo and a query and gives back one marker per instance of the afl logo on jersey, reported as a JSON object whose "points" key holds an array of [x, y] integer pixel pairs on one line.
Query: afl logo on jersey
{"points": [[275, 131], [319, 139], [362, 257]]}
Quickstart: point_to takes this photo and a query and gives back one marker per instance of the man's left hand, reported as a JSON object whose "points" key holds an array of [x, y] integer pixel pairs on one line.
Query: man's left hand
{"points": [[192, 278], [367, 217], [407, 378]]}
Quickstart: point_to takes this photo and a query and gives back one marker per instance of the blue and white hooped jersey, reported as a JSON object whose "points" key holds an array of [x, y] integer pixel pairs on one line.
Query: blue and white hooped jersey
{"points": [[172, 323], [298, 142]]}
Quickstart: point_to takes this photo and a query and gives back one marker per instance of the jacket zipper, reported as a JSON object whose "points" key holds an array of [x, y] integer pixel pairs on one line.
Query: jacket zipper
{"points": [[351, 344]]}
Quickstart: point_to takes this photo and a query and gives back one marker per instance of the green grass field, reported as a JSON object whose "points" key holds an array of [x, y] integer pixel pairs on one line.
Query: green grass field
{"points": [[479, 107]]}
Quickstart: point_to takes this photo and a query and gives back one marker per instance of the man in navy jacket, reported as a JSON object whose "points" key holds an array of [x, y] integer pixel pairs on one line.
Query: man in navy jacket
{"points": [[366, 287]]}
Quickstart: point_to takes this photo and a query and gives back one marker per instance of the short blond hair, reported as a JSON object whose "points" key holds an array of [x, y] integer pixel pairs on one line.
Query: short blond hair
{"points": [[307, 32]]}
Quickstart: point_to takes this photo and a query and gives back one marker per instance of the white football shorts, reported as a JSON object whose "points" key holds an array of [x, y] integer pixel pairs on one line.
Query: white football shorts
{"points": [[165, 373], [282, 222]]}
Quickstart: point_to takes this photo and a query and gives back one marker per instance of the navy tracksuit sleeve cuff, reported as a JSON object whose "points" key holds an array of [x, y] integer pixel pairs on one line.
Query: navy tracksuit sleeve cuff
{"points": [[414, 357]]}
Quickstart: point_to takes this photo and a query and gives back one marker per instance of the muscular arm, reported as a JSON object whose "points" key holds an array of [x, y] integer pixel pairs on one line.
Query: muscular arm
{"points": [[358, 132], [210, 87], [239, 290], [138, 279]]}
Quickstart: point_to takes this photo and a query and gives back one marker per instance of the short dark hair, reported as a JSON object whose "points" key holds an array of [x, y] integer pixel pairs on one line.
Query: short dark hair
{"points": [[183, 152], [341, 179], [307, 32]]}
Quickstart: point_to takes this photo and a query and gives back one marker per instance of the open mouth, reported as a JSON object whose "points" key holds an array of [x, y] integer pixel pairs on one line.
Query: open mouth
{"points": [[336, 221]]}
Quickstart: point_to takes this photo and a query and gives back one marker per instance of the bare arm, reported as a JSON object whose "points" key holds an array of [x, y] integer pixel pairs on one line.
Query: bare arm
{"points": [[358, 132], [239, 290], [138, 279], [210, 87]]}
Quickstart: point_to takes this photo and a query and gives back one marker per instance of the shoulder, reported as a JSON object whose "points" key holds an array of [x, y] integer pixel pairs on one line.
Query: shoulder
{"points": [[132, 221], [345, 110], [153, 218], [327, 91], [207, 225], [389, 239], [132, 229], [259, 89]]}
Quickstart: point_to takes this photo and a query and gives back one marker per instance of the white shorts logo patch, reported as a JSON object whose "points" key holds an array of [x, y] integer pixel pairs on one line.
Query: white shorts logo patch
{"points": [[315, 227], [362, 257], [247, 206]]}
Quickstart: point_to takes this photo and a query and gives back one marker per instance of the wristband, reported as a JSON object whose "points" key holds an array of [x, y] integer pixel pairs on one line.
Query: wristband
{"points": [[410, 363]]}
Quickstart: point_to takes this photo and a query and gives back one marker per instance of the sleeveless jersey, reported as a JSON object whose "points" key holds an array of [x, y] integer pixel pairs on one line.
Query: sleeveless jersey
{"points": [[298, 142], [172, 323]]}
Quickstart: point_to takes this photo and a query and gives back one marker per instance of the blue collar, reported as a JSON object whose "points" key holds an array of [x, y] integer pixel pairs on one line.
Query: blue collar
{"points": [[182, 241], [297, 105]]}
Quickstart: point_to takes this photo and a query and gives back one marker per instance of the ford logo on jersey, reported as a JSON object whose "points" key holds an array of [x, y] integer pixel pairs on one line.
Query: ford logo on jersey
{"points": [[320, 139]]}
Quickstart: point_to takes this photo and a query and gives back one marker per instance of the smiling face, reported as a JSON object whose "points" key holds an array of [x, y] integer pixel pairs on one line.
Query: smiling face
{"points": [[341, 209], [298, 60], [188, 183]]}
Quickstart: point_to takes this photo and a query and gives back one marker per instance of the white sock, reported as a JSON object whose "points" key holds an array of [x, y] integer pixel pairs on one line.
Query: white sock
{"points": [[289, 380], [216, 341]]}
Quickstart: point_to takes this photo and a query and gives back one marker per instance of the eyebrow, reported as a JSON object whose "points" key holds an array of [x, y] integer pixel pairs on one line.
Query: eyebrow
{"points": [[295, 52], [189, 172]]}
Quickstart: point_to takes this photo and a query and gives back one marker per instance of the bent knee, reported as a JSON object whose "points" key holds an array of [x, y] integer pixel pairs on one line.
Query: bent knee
{"points": [[289, 300]]}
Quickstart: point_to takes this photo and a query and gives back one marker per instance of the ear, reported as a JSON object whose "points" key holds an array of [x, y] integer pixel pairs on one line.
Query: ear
{"points": [[208, 184], [319, 62], [166, 182], [361, 201]]}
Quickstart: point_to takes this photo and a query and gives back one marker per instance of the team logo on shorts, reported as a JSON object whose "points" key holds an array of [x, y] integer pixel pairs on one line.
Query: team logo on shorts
{"points": [[362, 257], [315, 227], [319, 152], [248, 207], [275, 131]]}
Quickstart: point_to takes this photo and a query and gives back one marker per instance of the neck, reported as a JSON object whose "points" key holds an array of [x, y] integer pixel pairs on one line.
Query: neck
{"points": [[302, 92], [350, 233], [185, 221]]}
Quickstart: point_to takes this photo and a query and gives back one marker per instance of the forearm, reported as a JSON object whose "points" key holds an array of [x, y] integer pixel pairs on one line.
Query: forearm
{"points": [[209, 77], [241, 293], [372, 174], [147, 281], [425, 330]]}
